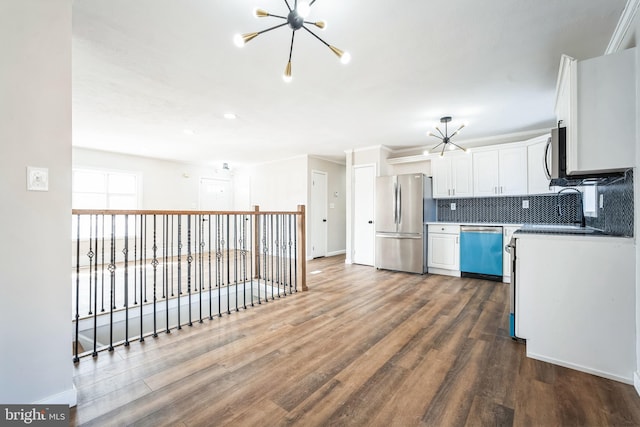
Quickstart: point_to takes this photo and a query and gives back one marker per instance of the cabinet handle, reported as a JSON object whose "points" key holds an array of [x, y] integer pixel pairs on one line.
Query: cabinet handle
{"points": [[448, 192], [500, 189], [495, 190], [457, 240], [453, 192]]}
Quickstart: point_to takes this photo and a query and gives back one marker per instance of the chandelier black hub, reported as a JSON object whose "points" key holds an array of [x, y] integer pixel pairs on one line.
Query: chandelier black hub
{"points": [[295, 20], [445, 138]]}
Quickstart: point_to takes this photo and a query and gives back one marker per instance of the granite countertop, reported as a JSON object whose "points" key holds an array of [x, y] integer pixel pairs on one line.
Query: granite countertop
{"points": [[546, 229]]}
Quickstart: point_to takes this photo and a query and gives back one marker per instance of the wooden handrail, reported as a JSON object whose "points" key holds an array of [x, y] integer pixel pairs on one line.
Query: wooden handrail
{"points": [[177, 212]]}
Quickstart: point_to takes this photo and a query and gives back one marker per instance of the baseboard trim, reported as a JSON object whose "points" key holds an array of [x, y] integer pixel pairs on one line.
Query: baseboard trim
{"points": [[334, 253], [603, 374], [443, 272], [67, 397]]}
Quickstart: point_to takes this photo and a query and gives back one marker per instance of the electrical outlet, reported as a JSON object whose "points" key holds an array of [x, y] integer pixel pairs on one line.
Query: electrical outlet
{"points": [[601, 203], [453, 206], [525, 204]]}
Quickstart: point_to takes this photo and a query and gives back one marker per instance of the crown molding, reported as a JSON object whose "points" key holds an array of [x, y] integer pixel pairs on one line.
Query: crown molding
{"points": [[624, 23]]}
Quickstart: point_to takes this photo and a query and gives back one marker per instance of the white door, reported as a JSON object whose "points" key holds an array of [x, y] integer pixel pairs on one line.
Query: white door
{"points": [[318, 218], [215, 194], [364, 184]]}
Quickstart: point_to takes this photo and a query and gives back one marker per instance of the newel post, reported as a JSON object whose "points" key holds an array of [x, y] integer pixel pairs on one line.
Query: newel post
{"points": [[302, 246]]}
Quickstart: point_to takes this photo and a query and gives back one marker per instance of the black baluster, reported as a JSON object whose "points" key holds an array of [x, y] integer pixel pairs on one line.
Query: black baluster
{"points": [[291, 230], [228, 263], [252, 256], [144, 250], [102, 266], [295, 254], [210, 294], [172, 217], [126, 280], [244, 261], [166, 270], [219, 242], [90, 255], [179, 268], [277, 254], [274, 253], [154, 263], [189, 261], [112, 270], [235, 256], [95, 294], [200, 264], [135, 260], [142, 245]]}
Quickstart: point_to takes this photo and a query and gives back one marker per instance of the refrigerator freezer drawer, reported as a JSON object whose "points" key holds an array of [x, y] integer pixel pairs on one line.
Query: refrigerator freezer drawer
{"points": [[400, 252]]}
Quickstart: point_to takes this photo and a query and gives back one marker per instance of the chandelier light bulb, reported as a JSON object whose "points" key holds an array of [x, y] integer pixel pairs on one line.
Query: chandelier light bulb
{"points": [[303, 9], [345, 58], [238, 40], [425, 153], [260, 13], [320, 24], [287, 73]]}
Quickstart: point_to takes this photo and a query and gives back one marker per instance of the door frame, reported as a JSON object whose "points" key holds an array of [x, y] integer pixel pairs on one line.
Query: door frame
{"points": [[214, 178]]}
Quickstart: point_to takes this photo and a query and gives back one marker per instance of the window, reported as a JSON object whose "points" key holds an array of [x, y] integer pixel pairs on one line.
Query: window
{"points": [[101, 189], [97, 189]]}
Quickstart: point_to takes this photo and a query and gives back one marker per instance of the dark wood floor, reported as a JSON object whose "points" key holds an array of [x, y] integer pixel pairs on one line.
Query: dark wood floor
{"points": [[361, 347]]}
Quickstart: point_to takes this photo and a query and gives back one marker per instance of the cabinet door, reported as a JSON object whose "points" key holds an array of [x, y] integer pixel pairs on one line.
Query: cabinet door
{"points": [[507, 234], [462, 176], [485, 173], [443, 251], [536, 177], [512, 171], [441, 171]]}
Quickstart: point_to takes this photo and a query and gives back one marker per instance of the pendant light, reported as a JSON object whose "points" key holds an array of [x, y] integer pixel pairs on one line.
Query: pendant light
{"points": [[295, 19], [445, 138]]}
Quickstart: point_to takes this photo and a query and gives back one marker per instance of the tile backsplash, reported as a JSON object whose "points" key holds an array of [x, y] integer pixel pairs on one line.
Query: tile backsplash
{"points": [[543, 209], [616, 217]]}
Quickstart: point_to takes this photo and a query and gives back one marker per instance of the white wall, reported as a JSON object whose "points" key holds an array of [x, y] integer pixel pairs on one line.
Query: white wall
{"points": [[280, 185], [35, 130], [166, 185]]}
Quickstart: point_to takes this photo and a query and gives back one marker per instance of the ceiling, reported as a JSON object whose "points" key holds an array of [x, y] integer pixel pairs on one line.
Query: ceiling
{"points": [[145, 71]]}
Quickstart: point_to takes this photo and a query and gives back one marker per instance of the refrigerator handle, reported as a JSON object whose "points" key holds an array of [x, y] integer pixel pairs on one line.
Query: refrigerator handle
{"points": [[395, 202], [399, 203]]}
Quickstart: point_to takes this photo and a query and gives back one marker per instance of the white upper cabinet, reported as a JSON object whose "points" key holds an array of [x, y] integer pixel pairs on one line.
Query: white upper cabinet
{"points": [[596, 101], [537, 178], [500, 172], [452, 176]]}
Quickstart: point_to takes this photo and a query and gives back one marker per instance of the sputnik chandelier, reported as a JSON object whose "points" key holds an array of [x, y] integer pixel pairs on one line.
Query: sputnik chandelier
{"points": [[296, 20], [445, 138]]}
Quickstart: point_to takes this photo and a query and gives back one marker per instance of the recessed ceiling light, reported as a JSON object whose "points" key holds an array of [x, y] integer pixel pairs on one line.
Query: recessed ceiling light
{"points": [[188, 132], [230, 116]]}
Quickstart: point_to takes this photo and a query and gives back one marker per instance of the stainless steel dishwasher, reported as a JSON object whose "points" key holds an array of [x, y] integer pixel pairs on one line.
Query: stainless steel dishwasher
{"points": [[481, 252]]}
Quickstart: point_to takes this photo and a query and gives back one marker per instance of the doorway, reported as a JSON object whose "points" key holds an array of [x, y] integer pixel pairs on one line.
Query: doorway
{"points": [[318, 226], [215, 194]]}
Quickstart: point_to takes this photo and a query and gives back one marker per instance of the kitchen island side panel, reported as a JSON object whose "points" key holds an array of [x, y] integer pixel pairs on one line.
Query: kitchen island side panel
{"points": [[575, 302]]}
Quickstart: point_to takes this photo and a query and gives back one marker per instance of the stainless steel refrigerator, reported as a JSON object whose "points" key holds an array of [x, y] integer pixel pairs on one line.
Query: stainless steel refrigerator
{"points": [[404, 203]]}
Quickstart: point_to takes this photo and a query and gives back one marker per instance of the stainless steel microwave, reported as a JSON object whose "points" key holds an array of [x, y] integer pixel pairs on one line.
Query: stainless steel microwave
{"points": [[555, 154]]}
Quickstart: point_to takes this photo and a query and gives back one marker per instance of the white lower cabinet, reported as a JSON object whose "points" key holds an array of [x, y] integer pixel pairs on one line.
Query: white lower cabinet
{"points": [[507, 234], [443, 251]]}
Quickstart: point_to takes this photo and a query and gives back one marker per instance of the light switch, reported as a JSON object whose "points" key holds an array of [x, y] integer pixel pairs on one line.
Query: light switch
{"points": [[525, 204], [332, 205], [37, 179], [601, 201], [453, 206]]}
